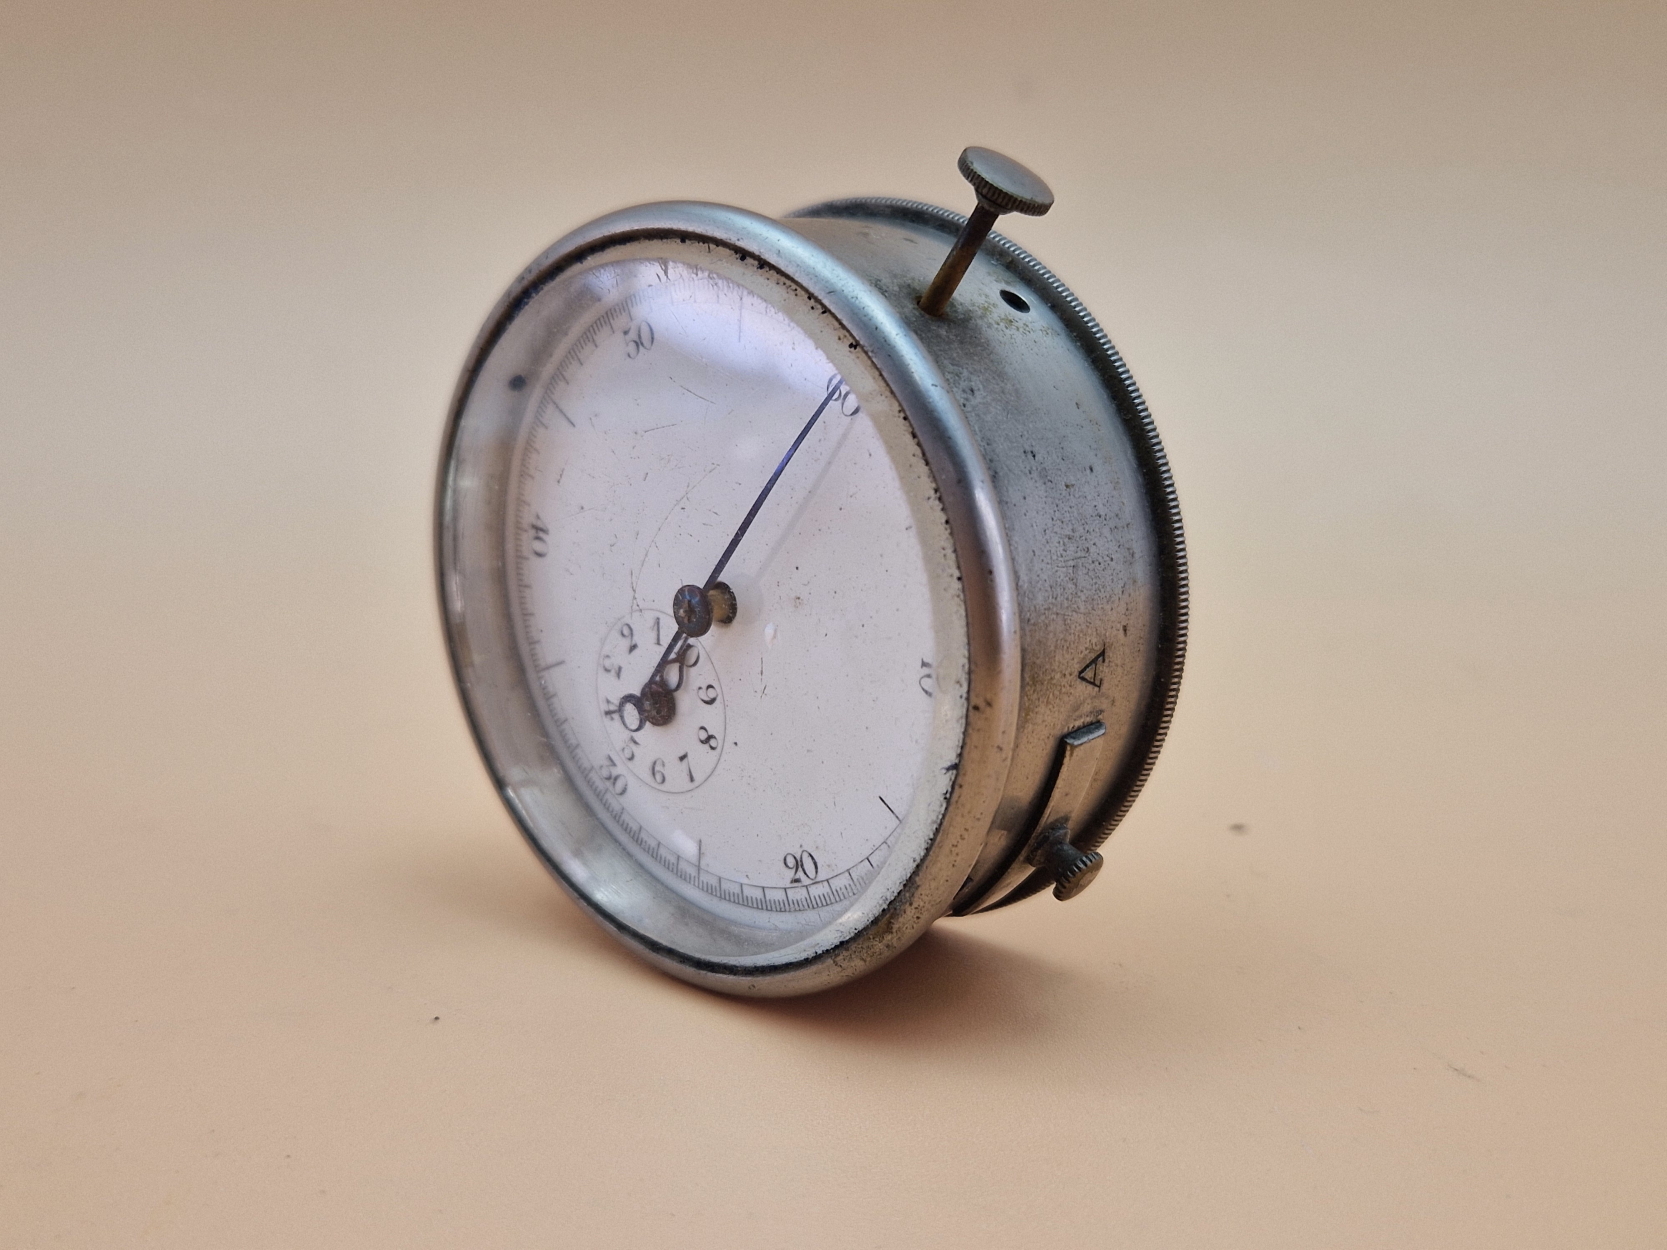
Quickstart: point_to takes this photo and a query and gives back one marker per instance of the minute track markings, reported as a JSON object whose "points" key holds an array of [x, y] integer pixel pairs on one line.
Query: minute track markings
{"points": [[828, 891]]}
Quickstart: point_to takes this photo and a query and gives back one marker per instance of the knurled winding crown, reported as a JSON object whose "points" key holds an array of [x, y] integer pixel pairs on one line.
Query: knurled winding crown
{"points": [[1074, 876], [1004, 185], [1072, 868]]}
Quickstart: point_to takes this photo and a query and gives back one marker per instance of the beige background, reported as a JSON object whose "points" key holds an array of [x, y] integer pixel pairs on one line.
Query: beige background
{"points": [[275, 970]]}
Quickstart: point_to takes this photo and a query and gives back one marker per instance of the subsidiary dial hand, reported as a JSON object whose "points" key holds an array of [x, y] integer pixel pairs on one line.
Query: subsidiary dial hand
{"points": [[695, 608]]}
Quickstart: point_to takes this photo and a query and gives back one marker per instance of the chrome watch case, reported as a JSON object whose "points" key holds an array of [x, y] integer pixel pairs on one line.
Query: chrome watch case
{"points": [[1067, 535]]}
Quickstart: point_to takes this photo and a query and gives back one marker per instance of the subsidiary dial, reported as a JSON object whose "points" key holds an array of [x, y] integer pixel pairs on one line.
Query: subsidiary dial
{"points": [[679, 755]]}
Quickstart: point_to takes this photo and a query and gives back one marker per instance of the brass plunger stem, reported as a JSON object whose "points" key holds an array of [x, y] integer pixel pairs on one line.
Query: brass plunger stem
{"points": [[955, 265], [1002, 186]]}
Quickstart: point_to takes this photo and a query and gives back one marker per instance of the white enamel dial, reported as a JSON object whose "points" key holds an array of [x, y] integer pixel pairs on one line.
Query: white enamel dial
{"points": [[801, 734]]}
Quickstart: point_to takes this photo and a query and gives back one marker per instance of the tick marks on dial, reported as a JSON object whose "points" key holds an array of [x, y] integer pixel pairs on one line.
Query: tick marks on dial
{"points": [[889, 808], [684, 845], [552, 664]]}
